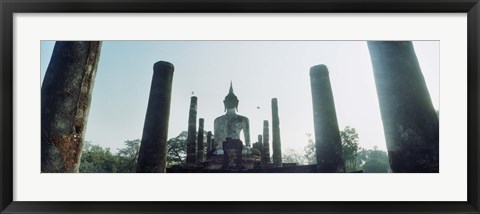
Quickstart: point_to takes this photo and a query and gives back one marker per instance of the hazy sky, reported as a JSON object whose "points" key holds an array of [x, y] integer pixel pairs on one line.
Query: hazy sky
{"points": [[259, 70]]}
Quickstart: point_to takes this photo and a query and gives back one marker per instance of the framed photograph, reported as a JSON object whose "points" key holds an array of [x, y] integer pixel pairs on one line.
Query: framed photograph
{"points": [[238, 106]]}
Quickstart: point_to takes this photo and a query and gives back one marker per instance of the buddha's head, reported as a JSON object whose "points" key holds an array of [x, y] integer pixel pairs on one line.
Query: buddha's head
{"points": [[230, 101]]}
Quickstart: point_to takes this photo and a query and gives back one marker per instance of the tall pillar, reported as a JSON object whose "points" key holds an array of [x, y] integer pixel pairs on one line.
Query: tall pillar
{"points": [[200, 144], [214, 144], [328, 144], [266, 145], [152, 156], [65, 103], [409, 119], [192, 126], [209, 141], [260, 146], [276, 142]]}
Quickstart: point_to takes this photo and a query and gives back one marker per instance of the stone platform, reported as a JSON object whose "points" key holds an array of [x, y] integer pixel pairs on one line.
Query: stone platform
{"points": [[216, 162]]}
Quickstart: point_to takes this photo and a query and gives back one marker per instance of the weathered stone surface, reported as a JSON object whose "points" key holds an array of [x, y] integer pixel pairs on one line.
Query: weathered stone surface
{"points": [[209, 141], [276, 142], [214, 144], [260, 139], [215, 163], [152, 156], [200, 144], [328, 144], [409, 119], [65, 103], [231, 124], [232, 154], [266, 145], [192, 128], [259, 145], [258, 150]]}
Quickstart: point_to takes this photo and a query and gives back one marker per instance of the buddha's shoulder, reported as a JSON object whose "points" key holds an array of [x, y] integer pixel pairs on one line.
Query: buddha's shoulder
{"points": [[242, 117], [223, 117]]}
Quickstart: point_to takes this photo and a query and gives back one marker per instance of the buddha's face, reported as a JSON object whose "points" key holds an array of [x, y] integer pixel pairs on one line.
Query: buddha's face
{"points": [[230, 103]]}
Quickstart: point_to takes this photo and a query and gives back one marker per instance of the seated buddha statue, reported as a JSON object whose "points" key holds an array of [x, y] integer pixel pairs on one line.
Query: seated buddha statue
{"points": [[231, 124]]}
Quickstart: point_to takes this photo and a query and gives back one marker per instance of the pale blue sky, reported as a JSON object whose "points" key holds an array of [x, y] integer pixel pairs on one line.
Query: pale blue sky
{"points": [[259, 70]]}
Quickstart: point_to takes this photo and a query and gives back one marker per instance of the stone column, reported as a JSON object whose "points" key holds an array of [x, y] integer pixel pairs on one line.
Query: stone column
{"points": [[328, 145], [409, 119], [192, 128], [152, 156], [200, 144], [276, 142], [209, 141], [266, 145], [214, 144], [260, 146], [65, 103]]}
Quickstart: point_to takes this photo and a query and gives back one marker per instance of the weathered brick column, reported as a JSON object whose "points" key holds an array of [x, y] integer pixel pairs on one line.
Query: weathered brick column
{"points": [[209, 141], [65, 103], [260, 146], [191, 139], [266, 145], [328, 144], [152, 156], [200, 144], [409, 119], [276, 142]]}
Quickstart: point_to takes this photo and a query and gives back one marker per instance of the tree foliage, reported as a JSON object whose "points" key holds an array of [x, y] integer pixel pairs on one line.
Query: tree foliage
{"points": [[96, 159], [128, 156], [310, 156], [356, 158], [374, 160], [177, 149], [350, 148], [293, 156]]}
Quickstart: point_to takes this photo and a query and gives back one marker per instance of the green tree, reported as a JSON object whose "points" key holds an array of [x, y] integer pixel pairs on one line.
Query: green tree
{"points": [[95, 159], [177, 149], [375, 166], [350, 148], [127, 157], [375, 161], [362, 156], [293, 156], [310, 156]]}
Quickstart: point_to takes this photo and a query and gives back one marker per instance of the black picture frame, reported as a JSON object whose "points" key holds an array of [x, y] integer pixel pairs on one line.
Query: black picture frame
{"points": [[9, 7]]}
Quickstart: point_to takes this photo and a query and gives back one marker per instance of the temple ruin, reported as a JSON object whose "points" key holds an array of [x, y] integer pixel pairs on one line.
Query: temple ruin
{"points": [[65, 103], [152, 156], [191, 139], [327, 135], [410, 122]]}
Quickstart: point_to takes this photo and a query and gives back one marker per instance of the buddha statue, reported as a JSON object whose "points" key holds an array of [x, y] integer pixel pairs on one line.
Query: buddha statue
{"points": [[231, 124]]}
